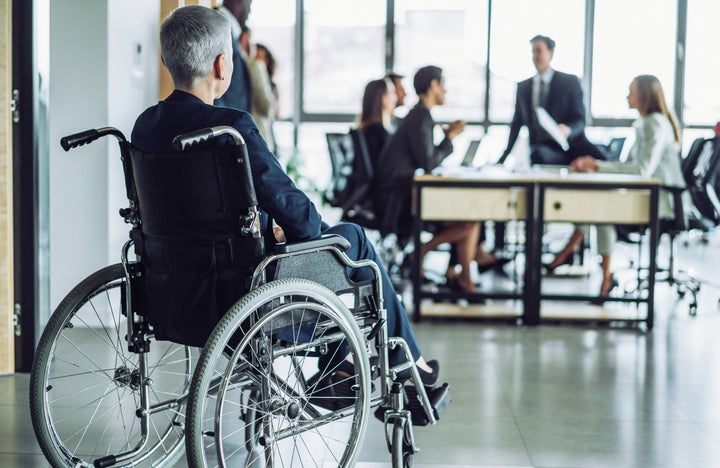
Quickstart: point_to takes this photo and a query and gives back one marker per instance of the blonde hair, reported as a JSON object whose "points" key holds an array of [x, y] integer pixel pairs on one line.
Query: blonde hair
{"points": [[652, 99]]}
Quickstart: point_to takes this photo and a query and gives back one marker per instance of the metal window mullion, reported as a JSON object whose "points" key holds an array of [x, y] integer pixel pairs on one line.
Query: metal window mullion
{"points": [[390, 36], [588, 59], [680, 46], [299, 81]]}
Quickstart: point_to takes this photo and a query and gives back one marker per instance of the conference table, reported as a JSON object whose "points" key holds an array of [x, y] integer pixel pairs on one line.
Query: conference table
{"points": [[529, 200]]}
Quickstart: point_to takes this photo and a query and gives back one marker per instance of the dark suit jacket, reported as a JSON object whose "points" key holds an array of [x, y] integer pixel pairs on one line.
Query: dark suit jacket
{"points": [[411, 147], [239, 94], [189, 284], [277, 195], [564, 104]]}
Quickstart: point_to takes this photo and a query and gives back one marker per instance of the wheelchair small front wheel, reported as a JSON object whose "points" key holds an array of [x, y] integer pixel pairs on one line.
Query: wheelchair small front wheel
{"points": [[85, 386], [272, 387], [402, 451]]}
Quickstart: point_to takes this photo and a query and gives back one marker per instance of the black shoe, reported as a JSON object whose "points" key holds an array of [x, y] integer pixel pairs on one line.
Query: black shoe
{"points": [[331, 391], [497, 263], [603, 297], [335, 389], [550, 270], [439, 400], [346, 368], [429, 379]]}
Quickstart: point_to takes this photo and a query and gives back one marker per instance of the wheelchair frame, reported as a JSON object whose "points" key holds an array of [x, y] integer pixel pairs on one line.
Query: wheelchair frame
{"points": [[242, 336]]}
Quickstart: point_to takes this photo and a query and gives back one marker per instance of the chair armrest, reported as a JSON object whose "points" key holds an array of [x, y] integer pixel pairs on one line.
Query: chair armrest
{"points": [[326, 240]]}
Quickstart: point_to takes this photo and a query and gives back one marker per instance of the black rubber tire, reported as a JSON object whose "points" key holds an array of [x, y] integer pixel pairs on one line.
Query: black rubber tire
{"points": [[230, 368], [82, 367]]}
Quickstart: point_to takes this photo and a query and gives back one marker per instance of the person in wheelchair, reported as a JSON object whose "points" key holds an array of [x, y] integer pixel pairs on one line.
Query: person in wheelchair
{"points": [[197, 51]]}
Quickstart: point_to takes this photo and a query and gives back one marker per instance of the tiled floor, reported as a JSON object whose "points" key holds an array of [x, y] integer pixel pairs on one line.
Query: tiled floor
{"points": [[546, 396]]}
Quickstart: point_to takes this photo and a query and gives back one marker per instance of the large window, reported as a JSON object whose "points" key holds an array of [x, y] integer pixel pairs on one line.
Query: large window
{"points": [[628, 43], [514, 23], [702, 105], [453, 36], [344, 48], [273, 25]]}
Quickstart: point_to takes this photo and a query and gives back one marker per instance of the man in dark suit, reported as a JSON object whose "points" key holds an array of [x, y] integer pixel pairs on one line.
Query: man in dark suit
{"points": [[561, 95], [239, 94]]}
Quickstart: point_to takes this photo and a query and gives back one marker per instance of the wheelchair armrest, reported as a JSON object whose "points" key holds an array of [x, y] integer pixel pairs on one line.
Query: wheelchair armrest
{"points": [[325, 240]]}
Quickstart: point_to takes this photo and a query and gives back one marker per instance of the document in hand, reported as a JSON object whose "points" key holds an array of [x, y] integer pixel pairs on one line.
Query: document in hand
{"points": [[550, 126]]}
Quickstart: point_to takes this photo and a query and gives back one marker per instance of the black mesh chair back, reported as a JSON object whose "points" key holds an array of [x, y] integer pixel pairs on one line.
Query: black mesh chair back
{"points": [[689, 161], [701, 172], [358, 207], [342, 154]]}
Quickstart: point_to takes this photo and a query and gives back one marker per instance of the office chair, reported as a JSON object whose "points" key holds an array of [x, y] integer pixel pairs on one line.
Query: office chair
{"points": [[700, 168], [683, 282], [350, 190], [342, 153]]}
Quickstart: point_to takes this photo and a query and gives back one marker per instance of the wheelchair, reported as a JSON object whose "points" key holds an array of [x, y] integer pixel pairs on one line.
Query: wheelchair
{"points": [[269, 387]]}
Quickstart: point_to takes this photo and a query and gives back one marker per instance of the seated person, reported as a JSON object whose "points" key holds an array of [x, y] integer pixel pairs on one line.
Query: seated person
{"points": [[412, 148], [376, 116], [196, 48], [655, 154], [369, 139]]}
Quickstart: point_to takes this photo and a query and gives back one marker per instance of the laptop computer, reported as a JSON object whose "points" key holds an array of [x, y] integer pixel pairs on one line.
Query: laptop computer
{"points": [[470, 153]]}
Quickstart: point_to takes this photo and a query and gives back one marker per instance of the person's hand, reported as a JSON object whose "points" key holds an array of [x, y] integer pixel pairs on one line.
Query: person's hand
{"points": [[454, 129], [584, 164], [279, 234], [564, 129]]}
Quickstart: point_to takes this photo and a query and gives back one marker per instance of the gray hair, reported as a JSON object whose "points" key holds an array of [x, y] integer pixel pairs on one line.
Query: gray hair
{"points": [[191, 38]]}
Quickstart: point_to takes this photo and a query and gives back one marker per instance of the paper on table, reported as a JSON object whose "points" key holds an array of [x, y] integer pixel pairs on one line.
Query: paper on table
{"points": [[550, 126]]}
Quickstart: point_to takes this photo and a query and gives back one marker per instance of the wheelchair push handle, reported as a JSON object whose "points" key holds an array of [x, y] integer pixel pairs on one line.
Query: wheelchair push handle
{"points": [[186, 140], [88, 136]]}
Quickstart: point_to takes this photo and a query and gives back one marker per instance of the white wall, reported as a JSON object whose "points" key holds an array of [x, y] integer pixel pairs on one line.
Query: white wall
{"points": [[96, 79], [133, 64], [78, 89]]}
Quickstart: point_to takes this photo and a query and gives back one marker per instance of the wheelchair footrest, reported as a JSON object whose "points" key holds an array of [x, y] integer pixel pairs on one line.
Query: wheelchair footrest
{"points": [[439, 400]]}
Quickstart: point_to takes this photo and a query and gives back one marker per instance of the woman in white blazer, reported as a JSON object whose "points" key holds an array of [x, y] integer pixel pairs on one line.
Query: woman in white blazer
{"points": [[655, 154]]}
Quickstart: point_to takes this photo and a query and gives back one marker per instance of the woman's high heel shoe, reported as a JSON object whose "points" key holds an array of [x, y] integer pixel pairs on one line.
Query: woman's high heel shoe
{"points": [[611, 284], [569, 260]]}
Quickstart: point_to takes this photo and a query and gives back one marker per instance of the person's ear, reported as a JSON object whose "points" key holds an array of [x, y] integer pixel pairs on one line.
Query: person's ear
{"points": [[219, 67]]}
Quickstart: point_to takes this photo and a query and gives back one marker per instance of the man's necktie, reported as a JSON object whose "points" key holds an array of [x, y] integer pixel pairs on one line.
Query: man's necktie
{"points": [[542, 95]]}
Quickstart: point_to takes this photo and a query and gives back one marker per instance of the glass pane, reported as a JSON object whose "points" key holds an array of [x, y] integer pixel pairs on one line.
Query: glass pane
{"points": [[344, 49], [312, 167], [702, 63], [273, 25], [453, 36], [628, 44], [514, 23]]}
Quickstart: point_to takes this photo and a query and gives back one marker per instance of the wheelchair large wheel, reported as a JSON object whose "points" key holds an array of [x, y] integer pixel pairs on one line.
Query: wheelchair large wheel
{"points": [[257, 397], [85, 384]]}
